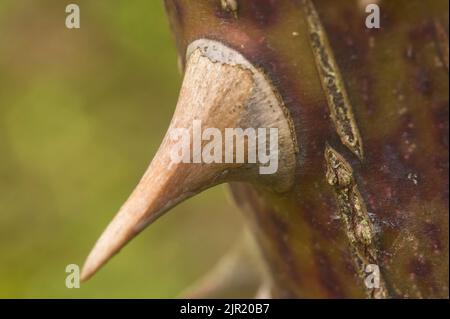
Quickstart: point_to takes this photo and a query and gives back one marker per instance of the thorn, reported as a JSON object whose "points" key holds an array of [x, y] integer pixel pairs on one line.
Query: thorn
{"points": [[209, 92]]}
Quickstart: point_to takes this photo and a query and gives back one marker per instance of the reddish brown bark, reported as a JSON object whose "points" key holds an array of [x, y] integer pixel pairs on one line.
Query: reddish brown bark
{"points": [[396, 79]]}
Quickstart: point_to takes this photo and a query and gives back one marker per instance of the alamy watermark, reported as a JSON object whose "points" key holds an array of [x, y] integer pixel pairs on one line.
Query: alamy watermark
{"points": [[373, 18], [372, 280], [261, 145], [73, 17], [73, 277]]}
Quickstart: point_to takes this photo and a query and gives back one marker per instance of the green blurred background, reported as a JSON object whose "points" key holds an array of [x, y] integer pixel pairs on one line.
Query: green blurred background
{"points": [[82, 113]]}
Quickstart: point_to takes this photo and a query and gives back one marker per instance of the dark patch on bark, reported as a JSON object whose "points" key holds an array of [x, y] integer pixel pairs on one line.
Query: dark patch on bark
{"points": [[328, 277], [420, 267], [423, 82], [433, 233], [263, 13]]}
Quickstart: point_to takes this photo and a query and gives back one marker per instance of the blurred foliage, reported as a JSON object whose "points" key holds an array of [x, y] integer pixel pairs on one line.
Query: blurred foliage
{"points": [[81, 114]]}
